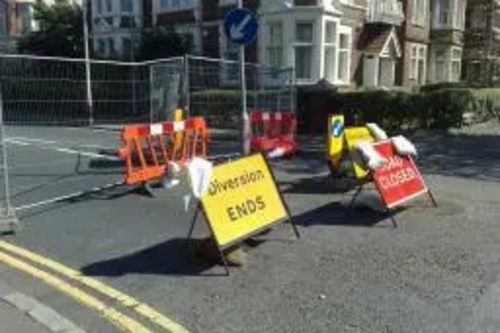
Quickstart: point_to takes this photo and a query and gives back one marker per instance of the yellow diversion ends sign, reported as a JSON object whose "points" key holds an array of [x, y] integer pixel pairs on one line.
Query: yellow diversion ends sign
{"points": [[242, 199]]}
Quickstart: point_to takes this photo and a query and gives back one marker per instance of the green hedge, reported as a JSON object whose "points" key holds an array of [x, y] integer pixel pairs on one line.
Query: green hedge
{"points": [[486, 104], [393, 110]]}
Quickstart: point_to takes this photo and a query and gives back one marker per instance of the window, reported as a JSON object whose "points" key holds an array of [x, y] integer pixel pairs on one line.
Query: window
{"points": [[99, 6], [275, 44], [330, 57], [127, 6], [25, 15], [127, 21], [443, 12], [127, 47], [164, 5], [101, 46], [419, 14], [418, 63], [3, 22], [456, 64], [441, 68], [343, 57], [187, 4], [477, 18], [303, 50], [111, 45], [109, 6], [175, 4], [460, 14]]}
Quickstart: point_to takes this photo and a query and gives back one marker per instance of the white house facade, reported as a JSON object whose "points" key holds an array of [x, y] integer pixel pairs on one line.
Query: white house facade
{"points": [[310, 38], [116, 26]]}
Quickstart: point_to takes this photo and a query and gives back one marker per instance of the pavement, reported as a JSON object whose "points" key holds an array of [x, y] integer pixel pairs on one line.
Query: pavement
{"points": [[20, 313], [14, 321], [349, 272]]}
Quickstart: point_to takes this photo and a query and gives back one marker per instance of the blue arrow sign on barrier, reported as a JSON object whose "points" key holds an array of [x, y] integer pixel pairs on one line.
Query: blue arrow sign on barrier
{"points": [[241, 26], [337, 128]]}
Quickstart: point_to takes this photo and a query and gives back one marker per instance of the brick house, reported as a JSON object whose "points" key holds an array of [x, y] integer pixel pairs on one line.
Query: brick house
{"points": [[201, 21], [446, 40], [361, 42], [377, 47], [415, 36], [482, 43]]}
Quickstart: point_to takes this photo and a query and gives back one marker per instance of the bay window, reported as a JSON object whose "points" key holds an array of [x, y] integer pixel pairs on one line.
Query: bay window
{"points": [[456, 64], [303, 50], [274, 46], [330, 49], [344, 54]]}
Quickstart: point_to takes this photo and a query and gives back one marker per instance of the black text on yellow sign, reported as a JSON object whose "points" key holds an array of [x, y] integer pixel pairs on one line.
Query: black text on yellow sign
{"points": [[242, 199]]}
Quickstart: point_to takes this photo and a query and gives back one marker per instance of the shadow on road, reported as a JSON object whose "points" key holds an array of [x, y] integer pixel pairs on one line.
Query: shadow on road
{"points": [[173, 257], [336, 213], [459, 155], [476, 157], [321, 184]]}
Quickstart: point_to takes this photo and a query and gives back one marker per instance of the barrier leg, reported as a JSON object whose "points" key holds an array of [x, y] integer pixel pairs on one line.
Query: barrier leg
{"points": [[434, 202], [295, 230], [146, 189], [356, 194], [224, 261], [193, 222], [393, 219]]}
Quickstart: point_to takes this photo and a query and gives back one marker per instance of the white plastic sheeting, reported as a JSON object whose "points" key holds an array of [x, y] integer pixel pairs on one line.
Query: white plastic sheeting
{"points": [[372, 158], [403, 146]]}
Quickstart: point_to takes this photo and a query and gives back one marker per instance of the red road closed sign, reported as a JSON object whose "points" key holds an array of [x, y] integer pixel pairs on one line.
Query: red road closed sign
{"points": [[400, 180]]}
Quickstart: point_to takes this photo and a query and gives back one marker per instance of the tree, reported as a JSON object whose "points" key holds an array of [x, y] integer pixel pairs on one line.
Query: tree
{"points": [[162, 42], [60, 33]]}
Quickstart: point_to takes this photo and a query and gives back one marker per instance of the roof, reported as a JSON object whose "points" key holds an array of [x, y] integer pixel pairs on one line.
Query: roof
{"points": [[376, 40]]}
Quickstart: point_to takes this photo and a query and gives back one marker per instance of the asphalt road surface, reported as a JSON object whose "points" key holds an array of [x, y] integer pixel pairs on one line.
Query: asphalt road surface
{"points": [[349, 272]]}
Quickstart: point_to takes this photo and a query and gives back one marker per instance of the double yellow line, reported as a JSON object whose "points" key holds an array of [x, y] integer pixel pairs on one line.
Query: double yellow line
{"points": [[117, 318]]}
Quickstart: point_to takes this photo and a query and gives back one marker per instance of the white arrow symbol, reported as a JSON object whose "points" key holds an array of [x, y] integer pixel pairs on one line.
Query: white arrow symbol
{"points": [[237, 29]]}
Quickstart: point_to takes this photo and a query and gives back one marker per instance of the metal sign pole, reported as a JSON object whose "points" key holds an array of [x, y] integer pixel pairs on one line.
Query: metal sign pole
{"points": [[241, 27], [7, 213], [90, 103], [245, 131]]}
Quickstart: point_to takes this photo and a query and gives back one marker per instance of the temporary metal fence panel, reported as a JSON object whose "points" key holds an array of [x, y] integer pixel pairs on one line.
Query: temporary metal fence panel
{"points": [[214, 89], [50, 91], [44, 98]]}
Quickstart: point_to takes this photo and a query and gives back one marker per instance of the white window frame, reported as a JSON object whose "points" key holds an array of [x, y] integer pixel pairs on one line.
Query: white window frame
{"points": [[459, 14], [346, 31], [273, 47], [445, 63], [455, 77], [418, 63], [333, 47], [440, 4], [310, 44], [419, 12]]}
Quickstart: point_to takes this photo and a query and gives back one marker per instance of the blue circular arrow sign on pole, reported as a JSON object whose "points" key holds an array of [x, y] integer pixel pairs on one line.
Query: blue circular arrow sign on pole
{"points": [[241, 26]]}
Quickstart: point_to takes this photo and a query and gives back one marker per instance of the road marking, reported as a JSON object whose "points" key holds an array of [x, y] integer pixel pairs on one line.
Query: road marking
{"points": [[115, 317], [118, 296], [28, 140], [64, 150]]}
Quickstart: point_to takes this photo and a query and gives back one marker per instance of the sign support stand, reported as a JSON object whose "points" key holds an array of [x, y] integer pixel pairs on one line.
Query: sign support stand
{"points": [[269, 200], [368, 178], [415, 186]]}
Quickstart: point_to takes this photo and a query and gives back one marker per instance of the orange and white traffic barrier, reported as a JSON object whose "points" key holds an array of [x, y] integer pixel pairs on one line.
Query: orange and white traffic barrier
{"points": [[149, 149], [273, 133]]}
